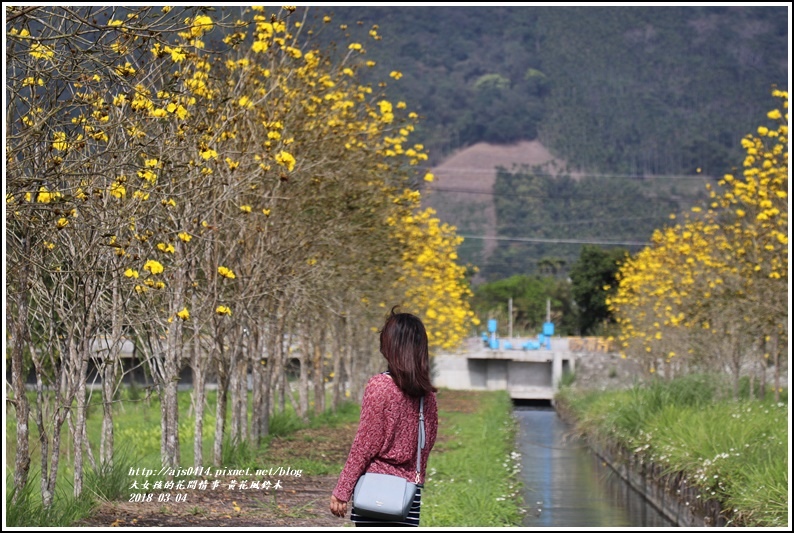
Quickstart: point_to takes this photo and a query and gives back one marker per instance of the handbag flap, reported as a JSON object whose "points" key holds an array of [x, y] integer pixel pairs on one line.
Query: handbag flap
{"points": [[383, 496]]}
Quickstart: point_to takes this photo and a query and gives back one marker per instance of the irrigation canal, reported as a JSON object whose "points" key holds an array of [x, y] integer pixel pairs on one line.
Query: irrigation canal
{"points": [[567, 485]]}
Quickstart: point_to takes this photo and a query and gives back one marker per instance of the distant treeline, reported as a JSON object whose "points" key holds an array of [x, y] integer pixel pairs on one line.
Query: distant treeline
{"points": [[631, 90]]}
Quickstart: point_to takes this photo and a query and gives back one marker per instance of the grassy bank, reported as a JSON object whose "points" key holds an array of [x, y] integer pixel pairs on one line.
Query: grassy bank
{"points": [[734, 451]]}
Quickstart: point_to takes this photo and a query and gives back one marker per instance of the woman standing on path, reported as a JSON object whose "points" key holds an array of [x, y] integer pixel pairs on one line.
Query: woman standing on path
{"points": [[385, 442]]}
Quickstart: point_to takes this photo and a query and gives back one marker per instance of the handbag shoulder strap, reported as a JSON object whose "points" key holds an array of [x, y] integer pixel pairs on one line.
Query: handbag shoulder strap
{"points": [[421, 438]]}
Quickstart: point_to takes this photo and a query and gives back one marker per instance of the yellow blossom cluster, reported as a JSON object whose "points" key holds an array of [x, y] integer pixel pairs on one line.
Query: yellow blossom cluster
{"points": [[433, 282], [226, 272]]}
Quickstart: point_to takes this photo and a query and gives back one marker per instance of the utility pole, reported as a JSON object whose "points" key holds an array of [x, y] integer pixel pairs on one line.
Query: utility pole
{"points": [[510, 322]]}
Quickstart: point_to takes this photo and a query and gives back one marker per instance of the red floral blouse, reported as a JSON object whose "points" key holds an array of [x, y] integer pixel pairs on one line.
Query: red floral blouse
{"points": [[386, 439]]}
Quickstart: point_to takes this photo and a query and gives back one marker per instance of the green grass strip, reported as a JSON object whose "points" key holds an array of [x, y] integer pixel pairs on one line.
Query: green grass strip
{"points": [[473, 471]]}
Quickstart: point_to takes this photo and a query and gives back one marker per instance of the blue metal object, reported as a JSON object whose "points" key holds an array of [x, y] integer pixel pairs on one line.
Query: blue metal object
{"points": [[494, 344], [492, 325], [548, 331]]}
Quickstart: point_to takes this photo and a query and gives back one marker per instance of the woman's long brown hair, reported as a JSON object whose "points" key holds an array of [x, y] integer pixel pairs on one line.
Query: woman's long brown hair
{"points": [[403, 342]]}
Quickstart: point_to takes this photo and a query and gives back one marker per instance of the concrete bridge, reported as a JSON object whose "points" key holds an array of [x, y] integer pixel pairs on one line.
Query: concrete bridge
{"points": [[527, 374]]}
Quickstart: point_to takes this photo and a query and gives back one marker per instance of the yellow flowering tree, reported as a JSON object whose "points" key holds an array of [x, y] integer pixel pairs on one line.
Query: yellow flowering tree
{"points": [[211, 205], [432, 283], [752, 214], [70, 198], [713, 290], [665, 294]]}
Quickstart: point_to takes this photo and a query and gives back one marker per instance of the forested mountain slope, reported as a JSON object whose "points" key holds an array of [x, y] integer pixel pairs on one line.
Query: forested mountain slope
{"points": [[638, 106], [639, 90]]}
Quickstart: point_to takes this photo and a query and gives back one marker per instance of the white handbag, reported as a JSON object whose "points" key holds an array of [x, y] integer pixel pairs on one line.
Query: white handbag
{"points": [[388, 497]]}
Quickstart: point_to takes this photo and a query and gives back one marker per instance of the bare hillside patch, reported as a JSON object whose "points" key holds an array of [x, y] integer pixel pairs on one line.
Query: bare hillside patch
{"points": [[462, 192]]}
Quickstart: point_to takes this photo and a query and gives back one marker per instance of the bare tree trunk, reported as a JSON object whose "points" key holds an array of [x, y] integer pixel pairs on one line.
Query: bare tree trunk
{"points": [[49, 491], [256, 386], [736, 368], [110, 375], [78, 436], [751, 392], [220, 405], [763, 358], [198, 364], [283, 378], [86, 443], [20, 400], [234, 392], [349, 357], [172, 365], [291, 397], [170, 406], [303, 383], [44, 440], [220, 420], [276, 343], [48, 477], [360, 366], [245, 359], [277, 373], [279, 383], [199, 383], [238, 385], [55, 455], [319, 374], [264, 358], [337, 369], [776, 355]]}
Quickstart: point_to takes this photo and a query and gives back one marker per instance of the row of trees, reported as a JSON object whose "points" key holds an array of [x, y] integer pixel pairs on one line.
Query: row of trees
{"points": [[713, 289], [216, 205]]}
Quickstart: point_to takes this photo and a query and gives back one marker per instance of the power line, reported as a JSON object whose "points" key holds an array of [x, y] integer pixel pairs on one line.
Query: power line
{"points": [[486, 192], [544, 224], [555, 241], [453, 189], [640, 177]]}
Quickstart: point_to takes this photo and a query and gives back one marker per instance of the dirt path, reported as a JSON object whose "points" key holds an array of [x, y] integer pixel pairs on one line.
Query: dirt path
{"points": [[300, 501], [297, 501]]}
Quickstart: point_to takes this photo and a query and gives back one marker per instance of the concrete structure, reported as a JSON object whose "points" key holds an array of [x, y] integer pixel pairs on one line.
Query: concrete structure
{"points": [[526, 374]]}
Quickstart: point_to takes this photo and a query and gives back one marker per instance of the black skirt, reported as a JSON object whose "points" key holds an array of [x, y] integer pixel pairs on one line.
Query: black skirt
{"points": [[412, 520]]}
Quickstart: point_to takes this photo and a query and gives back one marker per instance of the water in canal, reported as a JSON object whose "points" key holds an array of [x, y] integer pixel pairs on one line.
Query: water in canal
{"points": [[567, 485]]}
